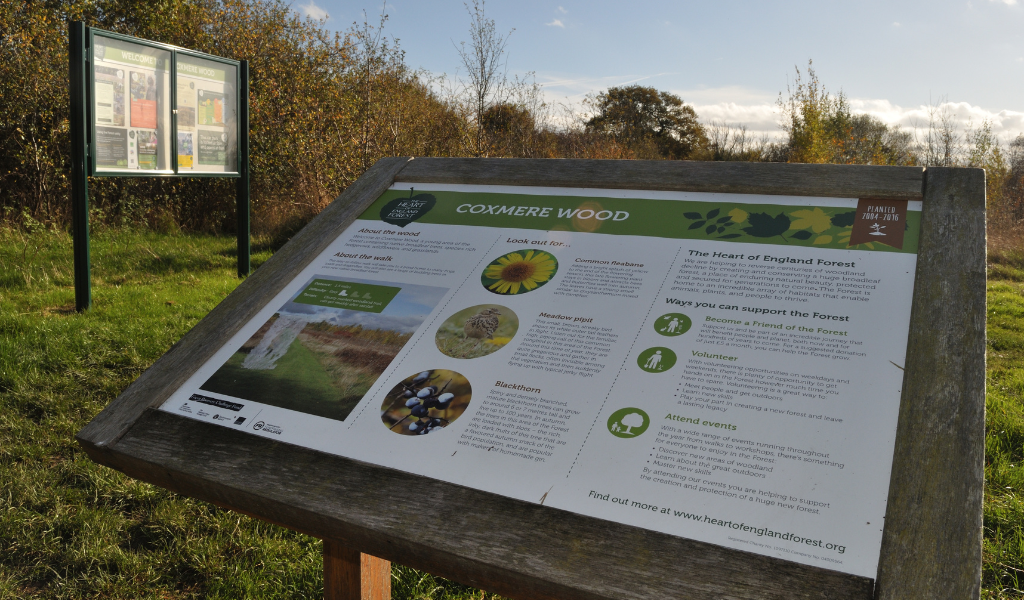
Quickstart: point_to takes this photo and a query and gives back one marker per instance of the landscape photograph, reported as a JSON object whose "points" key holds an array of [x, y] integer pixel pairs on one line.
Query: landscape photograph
{"points": [[321, 360]]}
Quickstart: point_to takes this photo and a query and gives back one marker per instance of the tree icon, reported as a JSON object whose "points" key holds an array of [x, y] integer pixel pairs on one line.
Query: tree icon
{"points": [[628, 422], [632, 420]]}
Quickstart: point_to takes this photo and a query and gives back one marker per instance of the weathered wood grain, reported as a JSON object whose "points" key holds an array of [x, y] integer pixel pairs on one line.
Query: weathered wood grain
{"points": [[844, 181], [514, 548], [351, 575], [182, 360], [931, 545]]}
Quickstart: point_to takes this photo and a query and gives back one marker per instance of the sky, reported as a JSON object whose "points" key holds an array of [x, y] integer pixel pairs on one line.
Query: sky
{"points": [[731, 59]]}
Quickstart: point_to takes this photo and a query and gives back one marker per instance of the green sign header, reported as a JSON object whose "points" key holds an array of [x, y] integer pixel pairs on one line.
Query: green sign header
{"points": [[199, 70], [781, 224], [348, 295]]}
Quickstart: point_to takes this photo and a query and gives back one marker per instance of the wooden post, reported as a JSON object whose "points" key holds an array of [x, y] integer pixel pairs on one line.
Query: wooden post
{"points": [[351, 575]]}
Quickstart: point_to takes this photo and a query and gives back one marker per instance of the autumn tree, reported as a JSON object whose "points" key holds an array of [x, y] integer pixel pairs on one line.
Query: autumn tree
{"points": [[821, 128], [639, 116]]}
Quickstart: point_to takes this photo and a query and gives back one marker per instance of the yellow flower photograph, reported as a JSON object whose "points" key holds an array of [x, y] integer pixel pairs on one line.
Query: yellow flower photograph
{"points": [[519, 272]]}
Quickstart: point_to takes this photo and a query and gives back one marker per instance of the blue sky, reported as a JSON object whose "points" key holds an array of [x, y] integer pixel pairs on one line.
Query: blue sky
{"points": [[731, 58]]}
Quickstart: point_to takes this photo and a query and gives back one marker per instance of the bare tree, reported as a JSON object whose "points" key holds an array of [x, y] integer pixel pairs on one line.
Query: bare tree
{"points": [[943, 143], [484, 60]]}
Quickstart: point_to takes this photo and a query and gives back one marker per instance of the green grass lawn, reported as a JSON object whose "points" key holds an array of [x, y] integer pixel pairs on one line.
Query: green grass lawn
{"points": [[72, 529]]}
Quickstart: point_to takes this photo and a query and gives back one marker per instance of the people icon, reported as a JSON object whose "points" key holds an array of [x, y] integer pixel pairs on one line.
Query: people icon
{"points": [[656, 360], [672, 324]]}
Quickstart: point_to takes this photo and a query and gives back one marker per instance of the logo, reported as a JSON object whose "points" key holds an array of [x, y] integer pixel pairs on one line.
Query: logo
{"points": [[628, 422], [258, 425], [402, 211], [239, 420], [881, 221]]}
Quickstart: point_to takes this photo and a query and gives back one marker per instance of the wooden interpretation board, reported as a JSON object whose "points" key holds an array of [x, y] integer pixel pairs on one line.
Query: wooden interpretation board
{"points": [[204, 420]]}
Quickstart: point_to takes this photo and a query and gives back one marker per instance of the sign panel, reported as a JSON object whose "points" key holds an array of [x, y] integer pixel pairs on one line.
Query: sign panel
{"points": [[131, 107], [207, 105], [722, 367]]}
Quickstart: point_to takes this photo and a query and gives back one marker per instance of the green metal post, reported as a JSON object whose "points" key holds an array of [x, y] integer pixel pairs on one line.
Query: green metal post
{"points": [[242, 193], [79, 173]]}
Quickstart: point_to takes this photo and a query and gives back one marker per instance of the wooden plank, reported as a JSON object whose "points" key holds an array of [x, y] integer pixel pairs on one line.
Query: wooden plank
{"points": [[351, 575], [845, 181], [199, 344], [515, 548], [931, 546]]}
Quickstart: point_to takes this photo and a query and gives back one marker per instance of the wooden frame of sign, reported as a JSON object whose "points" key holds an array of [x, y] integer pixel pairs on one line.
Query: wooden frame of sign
{"points": [[932, 540]]}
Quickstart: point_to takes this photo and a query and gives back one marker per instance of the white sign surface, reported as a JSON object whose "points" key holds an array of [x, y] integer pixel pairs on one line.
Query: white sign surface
{"points": [[721, 367]]}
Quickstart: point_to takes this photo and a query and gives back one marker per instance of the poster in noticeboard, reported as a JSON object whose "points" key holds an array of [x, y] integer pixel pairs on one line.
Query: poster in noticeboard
{"points": [[721, 367], [207, 105], [131, 106]]}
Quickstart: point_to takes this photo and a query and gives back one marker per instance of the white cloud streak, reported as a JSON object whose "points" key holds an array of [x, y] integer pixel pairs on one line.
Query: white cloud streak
{"points": [[313, 11], [763, 118], [556, 23]]}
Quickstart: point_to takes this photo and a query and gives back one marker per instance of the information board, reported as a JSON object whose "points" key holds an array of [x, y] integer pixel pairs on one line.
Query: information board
{"points": [[131, 107], [147, 120], [207, 107], [721, 367]]}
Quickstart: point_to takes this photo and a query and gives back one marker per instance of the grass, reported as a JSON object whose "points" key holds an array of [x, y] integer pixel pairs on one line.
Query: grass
{"points": [[1004, 430], [72, 529]]}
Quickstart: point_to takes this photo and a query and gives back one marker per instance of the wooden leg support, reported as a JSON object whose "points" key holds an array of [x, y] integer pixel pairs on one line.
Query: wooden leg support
{"points": [[351, 575]]}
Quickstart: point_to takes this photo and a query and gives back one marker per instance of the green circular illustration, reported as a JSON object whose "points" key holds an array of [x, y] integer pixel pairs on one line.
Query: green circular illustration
{"points": [[628, 422], [656, 360], [672, 324]]}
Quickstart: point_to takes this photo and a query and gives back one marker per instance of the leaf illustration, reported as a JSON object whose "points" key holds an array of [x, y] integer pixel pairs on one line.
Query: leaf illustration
{"points": [[823, 239], [763, 225], [697, 224], [724, 219], [714, 213], [844, 219], [801, 235], [814, 218], [693, 215], [738, 215], [721, 229], [730, 236], [711, 228]]}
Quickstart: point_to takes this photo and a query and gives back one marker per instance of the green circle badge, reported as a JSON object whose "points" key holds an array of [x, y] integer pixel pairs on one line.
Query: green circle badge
{"points": [[672, 324], [656, 360], [628, 422]]}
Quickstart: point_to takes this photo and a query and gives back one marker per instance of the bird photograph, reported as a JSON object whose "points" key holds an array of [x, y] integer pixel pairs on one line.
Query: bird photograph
{"points": [[477, 331]]}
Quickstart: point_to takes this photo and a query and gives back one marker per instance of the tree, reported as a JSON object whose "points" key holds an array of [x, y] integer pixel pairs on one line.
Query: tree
{"points": [[821, 128], [638, 116], [485, 66]]}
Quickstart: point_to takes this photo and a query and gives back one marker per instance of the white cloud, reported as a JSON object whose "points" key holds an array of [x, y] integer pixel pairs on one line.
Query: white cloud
{"points": [[562, 10], [737, 106], [314, 11], [1006, 2], [896, 24], [556, 23]]}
